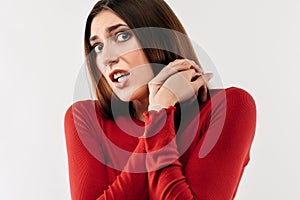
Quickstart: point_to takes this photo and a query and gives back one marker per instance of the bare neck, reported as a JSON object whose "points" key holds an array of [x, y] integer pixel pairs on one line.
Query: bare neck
{"points": [[140, 106]]}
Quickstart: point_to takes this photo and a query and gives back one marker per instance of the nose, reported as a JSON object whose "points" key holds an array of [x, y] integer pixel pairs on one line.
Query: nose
{"points": [[109, 54]]}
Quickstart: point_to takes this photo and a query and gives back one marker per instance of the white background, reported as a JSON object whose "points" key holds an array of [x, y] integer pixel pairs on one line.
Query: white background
{"points": [[254, 45]]}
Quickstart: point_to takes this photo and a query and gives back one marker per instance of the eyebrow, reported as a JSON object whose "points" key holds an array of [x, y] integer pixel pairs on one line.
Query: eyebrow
{"points": [[108, 30]]}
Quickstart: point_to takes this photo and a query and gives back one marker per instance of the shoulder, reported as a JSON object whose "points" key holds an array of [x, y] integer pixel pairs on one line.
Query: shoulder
{"points": [[239, 92], [230, 104], [84, 107], [237, 106], [234, 97], [82, 111], [240, 98], [79, 107]]}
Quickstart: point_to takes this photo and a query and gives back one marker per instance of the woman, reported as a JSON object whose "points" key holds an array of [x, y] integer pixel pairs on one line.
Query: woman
{"points": [[156, 130]]}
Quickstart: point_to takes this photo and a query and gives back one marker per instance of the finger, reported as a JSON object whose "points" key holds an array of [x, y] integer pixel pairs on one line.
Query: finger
{"points": [[198, 82], [173, 67], [169, 70], [193, 65], [166, 72], [201, 80], [208, 76], [191, 74]]}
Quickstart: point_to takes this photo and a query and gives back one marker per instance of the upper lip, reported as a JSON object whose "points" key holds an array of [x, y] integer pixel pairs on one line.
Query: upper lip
{"points": [[113, 72]]}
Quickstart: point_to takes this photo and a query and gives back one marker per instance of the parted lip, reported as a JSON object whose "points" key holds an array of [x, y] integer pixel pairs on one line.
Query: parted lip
{"points": [[115, 71]]}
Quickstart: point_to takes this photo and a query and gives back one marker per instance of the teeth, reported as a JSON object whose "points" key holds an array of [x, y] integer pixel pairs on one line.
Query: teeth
{"points": [[121, 79], [120, 76], [117, 75]]}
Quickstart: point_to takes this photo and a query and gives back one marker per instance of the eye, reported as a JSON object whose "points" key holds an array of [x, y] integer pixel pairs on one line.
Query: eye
{"points": [[123, 36], [98, 48]]}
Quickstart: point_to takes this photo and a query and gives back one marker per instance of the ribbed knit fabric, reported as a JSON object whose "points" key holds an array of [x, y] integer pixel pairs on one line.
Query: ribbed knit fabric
{"points": [[202, 155]]}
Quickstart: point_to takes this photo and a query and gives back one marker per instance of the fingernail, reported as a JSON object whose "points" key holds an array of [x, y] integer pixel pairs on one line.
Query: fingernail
{"points": [[208, 76]]}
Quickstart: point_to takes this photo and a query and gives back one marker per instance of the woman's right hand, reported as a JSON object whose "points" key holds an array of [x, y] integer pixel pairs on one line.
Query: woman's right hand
{"points": [[177, 82]]}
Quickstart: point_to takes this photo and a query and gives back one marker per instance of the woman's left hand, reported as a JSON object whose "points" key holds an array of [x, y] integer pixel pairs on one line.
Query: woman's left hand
{"points": [[177, 82], [185, 85]]}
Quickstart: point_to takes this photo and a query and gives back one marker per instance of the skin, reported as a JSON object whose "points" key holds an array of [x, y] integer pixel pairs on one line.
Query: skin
{"points": [[118, 51]]}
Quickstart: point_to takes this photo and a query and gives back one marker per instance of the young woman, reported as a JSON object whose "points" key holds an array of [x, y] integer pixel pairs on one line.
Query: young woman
{"points": [[156, 130]]}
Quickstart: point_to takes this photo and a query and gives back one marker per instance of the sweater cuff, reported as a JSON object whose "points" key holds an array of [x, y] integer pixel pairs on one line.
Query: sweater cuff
{"points": [[156, 114], [159, 128]]}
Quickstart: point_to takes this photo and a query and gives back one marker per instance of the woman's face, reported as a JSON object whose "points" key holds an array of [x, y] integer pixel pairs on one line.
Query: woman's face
{"points": [[120, 57]]}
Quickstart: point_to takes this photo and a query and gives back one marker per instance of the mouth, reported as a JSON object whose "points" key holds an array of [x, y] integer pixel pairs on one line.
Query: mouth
{"points": [[119, 77]]}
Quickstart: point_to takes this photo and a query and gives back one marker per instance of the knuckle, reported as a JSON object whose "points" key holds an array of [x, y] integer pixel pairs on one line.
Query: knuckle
{"points": [[174, 61], [150, 83], [185, 63]]}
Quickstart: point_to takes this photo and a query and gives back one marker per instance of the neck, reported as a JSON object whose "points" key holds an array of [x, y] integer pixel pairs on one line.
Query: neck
{"points": [[140, 106]]}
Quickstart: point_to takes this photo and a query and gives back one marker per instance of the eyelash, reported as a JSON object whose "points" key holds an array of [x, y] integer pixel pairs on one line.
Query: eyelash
{"points": [[127, 33]]}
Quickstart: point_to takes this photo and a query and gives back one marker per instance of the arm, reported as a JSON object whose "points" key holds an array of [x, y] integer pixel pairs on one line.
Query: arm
{"points": [[178, 81], [216, 166], [166, 180], [216, 174], [90, 179]]}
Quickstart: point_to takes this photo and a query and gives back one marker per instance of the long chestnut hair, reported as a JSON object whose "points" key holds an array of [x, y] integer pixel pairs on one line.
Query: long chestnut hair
{"points": [[140, 14]]}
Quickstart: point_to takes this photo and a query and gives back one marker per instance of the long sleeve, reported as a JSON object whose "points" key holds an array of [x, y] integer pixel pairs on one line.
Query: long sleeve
{"points": [[166, 180], [90, 178], [203, 159], [214, 162]]}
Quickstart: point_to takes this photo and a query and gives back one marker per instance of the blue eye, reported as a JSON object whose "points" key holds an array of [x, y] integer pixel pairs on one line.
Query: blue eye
{"points": [[98, 48], [123, 36]]}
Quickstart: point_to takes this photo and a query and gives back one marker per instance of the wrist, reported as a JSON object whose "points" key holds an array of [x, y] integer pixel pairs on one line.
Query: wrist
{"points": [[156, 107], [160, 105]]}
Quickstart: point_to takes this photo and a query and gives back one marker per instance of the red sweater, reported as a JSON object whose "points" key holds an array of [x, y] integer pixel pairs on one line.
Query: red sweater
{"points": [[200, 156]]}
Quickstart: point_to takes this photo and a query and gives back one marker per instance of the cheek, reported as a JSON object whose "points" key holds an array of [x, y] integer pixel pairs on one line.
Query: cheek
{"points": [[142, 57], [137, 58], [104, 71], [100, 65]]}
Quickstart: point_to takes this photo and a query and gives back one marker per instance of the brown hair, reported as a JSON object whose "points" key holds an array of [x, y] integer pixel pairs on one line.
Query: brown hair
{"points": [[139, 14]]}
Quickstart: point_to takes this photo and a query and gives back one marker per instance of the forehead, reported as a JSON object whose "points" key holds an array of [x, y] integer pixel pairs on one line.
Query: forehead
{"points": [[103, 20]]}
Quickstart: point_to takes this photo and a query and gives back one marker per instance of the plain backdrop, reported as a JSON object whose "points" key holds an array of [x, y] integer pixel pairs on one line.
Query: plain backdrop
{"points": [[254, 44]]}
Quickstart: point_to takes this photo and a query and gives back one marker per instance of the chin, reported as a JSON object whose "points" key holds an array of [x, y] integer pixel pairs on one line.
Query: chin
{"points": [[124, 98], [128, 95]]}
